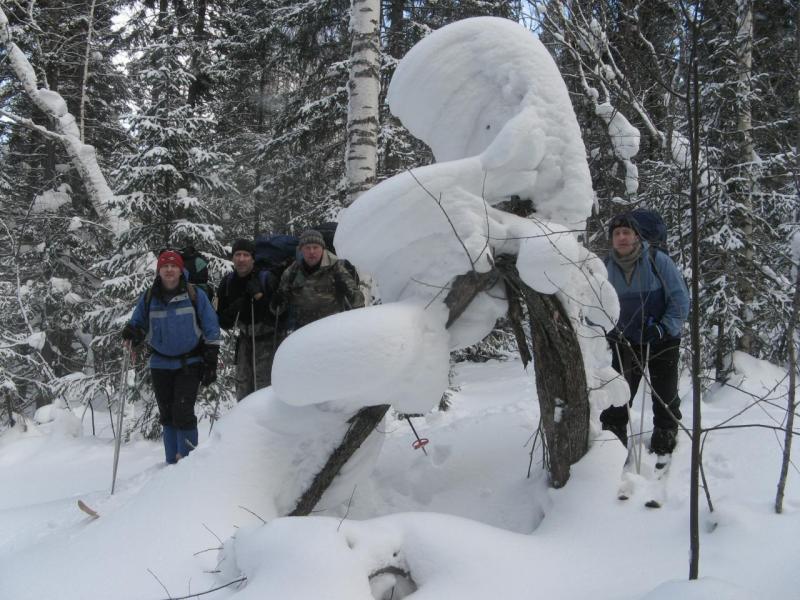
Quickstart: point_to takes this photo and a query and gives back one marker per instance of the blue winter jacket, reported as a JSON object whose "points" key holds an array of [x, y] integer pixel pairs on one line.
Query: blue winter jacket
{"points": [[173, 329], [645, 299]]}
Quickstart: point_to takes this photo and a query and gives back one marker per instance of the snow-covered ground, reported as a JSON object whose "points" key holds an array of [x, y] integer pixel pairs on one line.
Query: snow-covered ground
{"points": [[464, 521]]}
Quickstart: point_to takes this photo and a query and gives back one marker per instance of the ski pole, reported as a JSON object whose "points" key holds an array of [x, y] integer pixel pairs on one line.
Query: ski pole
{"points": [[631, 447], [253, 338], [646, 365], [275, 337], [421, 442], [123, 389]]}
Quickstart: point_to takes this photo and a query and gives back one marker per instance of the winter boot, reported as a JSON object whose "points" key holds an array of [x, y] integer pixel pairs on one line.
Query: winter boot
{"points": [[170, 436], [187, 441], [663, 440], [618, 429]]}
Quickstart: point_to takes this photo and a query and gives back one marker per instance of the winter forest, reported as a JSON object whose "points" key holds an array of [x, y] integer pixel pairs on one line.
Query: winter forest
{"points": [[130, 127]]}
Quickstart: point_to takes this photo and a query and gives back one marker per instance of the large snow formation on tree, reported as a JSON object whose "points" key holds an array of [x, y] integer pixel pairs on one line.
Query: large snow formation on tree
{"points": [[489, 100]]}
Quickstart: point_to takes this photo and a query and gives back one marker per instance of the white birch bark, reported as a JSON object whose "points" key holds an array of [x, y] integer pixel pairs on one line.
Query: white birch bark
{"points": [[363, 88], [52, 104]]}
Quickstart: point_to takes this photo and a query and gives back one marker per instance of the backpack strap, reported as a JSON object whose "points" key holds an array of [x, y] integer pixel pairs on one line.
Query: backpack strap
{"points": [[263, 278], [652, 253], [339, 285]]}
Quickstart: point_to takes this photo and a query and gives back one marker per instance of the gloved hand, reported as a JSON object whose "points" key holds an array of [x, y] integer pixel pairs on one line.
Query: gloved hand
{"points": [[653, 332], [253, 288], [135, 335], [278, 304], [341, 287], [210, 355]]}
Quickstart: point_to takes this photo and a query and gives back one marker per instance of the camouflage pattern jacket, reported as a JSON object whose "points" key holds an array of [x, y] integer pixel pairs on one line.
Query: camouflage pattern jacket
{"points": [[324, 291]]}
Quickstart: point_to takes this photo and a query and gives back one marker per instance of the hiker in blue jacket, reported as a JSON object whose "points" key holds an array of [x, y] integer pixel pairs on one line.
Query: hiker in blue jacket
{"points": [[178, 322], [654, 304]]}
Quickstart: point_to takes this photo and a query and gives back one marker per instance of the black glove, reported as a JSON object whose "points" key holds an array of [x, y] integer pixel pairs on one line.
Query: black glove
{"points": [[340, 286], [654, 332], [227, 316], [278, 304], [253, 288], [135, 335], [210, 355]]}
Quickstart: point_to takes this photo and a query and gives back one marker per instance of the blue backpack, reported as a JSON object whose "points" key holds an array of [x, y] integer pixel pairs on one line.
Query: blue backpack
{"points": [[275, 251], [651, 228]]}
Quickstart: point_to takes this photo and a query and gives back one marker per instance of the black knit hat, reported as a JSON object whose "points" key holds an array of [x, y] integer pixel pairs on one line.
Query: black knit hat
{"points": [[623, 220], [311, 236], [243, 245]]}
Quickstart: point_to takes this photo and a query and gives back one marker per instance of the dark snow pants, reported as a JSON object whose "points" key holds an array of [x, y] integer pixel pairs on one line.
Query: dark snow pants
{"points": [[246, 381], [663, 368], [176, 393]]}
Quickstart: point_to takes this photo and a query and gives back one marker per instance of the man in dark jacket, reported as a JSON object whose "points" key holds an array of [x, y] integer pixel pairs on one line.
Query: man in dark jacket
{"points": [[317, 285], [654, 304], [244, 296], [178, 322]]}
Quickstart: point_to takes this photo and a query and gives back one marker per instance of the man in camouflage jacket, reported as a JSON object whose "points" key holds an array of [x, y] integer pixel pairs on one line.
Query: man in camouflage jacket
{"points": [[317, 285]]}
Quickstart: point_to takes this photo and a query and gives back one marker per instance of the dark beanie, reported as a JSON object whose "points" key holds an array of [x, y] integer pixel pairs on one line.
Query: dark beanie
{"points": [[623, 220], [311, 236], [243, 245]]}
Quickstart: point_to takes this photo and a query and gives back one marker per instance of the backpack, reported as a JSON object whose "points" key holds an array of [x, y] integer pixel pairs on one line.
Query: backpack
{"points": [[197, 267], [275, 252], [651, 228], [328, 231]]}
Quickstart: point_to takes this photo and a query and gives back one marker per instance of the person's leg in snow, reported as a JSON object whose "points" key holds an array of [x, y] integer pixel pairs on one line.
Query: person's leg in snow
{"points": [[163, 390], [186, 385], [663, 368], [615, 418], [176, 392]]}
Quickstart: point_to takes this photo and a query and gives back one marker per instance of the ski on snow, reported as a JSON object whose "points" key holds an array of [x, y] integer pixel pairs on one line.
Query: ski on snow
{"points": [[87, 509]]}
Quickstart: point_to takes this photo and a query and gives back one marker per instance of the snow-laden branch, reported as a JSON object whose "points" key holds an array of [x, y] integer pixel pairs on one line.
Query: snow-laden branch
{"points": [[52, 104]]}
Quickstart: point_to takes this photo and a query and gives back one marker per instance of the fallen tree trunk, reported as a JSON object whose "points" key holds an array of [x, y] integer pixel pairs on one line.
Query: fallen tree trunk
{"points": [[361, 425], [462, 291]]}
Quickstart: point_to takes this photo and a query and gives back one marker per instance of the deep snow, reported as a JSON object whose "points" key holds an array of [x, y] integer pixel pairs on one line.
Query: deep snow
{"points": [[465, 520]]}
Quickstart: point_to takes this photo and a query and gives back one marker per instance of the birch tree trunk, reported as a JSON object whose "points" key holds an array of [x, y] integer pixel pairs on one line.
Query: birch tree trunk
{"points": [[363, 91]]}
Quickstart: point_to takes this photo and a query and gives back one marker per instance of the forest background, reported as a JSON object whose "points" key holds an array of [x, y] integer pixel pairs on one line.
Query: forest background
{"points": [[216, 120]]}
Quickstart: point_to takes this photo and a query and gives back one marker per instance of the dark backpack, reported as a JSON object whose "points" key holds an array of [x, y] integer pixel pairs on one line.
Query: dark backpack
{"points": [[651, 227], [328, 231], [197, 267], [275, 252]]}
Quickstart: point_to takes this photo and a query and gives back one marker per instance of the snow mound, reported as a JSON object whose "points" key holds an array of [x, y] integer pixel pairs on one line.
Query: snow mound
{"points": [[388, 354]]}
